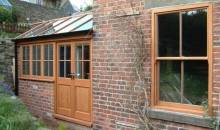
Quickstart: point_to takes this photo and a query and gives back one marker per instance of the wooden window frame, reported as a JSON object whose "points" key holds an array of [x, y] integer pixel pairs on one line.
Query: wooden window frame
{"points": [[36, 60], [82, 60], [155, 102], [40, 77], [22, 61], [64, 60], [43, 59]]}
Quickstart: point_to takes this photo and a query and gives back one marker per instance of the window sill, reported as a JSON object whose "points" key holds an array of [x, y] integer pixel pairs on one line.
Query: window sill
{"points": [[38, 79], [179, 117]]}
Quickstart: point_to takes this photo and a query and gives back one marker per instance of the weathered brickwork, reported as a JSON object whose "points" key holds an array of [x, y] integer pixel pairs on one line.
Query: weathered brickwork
{"points": [[216, 59], [112, 65], [38, 96]]}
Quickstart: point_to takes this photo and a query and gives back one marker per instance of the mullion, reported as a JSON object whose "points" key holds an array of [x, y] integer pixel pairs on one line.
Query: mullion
{"points": [[82, 61], [48, 65], [64, 63], [181, 54]]}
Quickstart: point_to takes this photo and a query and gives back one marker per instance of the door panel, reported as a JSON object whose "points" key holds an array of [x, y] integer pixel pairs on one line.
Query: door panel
{"points": [[82, 103], [73, 81], [64, 100], [64, 83]]}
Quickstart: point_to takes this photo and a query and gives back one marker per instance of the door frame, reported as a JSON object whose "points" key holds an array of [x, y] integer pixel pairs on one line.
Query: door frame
{"points": [[69, 119]]}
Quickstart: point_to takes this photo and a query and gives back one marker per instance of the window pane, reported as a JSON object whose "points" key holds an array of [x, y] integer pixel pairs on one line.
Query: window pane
{"points": [[195, 82], [168, 27], [46, 68], [195, 33], [86, 52], [46, 52], [68, 69], [50, 68], [25, 53], [50, 52], [25, 67], [38, 52], [78, 53], [38, 69], [34, 53], [86, 68], [79, 69], [61, 52], [68, 52], [61, 69], [170, 81], [34, 66]]}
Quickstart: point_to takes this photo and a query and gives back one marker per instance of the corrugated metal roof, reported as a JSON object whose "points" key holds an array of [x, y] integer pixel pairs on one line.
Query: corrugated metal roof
{"points": [[74, 23]]}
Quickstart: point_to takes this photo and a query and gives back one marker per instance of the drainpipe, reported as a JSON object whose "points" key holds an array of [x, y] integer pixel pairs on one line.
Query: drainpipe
{"points": [[16, 68]]}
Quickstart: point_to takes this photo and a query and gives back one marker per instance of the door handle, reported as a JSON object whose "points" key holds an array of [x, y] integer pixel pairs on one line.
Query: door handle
{"points": [[72, 75]]}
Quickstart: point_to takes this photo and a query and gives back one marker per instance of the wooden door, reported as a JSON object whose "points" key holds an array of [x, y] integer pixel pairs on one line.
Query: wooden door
{"points": [[73, 98]]}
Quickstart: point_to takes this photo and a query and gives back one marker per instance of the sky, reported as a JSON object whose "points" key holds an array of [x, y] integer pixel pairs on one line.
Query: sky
{"points": [[81, 3]]}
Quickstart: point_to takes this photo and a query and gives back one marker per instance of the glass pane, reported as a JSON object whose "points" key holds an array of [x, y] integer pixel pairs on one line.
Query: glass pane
{"points": [[195, 82], [78, 53], [34, 53], [79, 69], [26, 67], [46, 52], [170, 81], [25, 53], [68, 52], [195, 33], [86, 52], [50, 52], [61, 69], [38, 69], [61, 52], [46, 68], [38, 53], [68, 69], [86, 68], [168, 27], [50, 68], [34, 66]]}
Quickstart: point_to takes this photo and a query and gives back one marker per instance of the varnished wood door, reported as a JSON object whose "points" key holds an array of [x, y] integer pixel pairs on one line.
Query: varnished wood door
{"points": [[73, 92]]}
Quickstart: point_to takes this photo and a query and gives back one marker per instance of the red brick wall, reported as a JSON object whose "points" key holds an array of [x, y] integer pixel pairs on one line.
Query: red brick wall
{"points": [[216, 59], [112, 65], [38, 97]]}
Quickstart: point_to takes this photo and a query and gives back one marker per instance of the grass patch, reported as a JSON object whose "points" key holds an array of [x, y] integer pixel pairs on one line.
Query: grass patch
{"points": [[15, 116]]}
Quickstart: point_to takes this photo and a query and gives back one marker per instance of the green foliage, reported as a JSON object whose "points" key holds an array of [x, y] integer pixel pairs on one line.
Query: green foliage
{"points": [[14, 115], [8, 35], [214, 123], [87, 8], [62, 127], [8, 15]]}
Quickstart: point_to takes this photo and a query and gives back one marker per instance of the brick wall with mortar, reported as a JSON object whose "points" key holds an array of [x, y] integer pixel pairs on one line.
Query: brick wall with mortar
{"points": [[112, 66], [38, 97]]}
